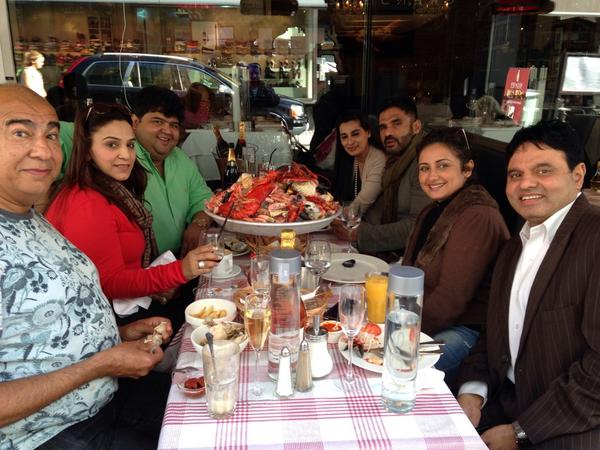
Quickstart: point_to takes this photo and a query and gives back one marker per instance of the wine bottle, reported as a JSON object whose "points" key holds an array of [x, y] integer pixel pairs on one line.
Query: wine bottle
{"points": [[241, 142], [231, 170], [222, 146]]}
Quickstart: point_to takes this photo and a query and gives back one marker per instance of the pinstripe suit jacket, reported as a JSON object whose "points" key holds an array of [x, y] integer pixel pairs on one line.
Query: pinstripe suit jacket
{"points": [[557, 370]]}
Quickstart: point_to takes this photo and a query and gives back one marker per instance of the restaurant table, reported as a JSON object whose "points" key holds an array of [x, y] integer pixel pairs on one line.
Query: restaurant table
{"points": [[324, 418]]}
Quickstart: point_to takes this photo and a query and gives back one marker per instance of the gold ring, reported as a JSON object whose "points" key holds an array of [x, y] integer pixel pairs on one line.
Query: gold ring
{"points": [[201, 265]]}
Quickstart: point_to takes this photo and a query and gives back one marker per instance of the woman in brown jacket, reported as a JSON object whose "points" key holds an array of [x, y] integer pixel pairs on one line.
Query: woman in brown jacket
{"points": [[455, 242]]}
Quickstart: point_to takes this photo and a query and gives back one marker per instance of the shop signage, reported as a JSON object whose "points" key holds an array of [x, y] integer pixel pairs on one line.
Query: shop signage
{"points": [[522, 6], [515, 90]]}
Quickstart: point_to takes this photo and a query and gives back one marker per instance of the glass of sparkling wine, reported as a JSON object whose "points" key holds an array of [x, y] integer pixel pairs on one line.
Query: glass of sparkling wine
{"points": [[217, 246], [352, 313], [351, 218], [317, 257], [257, 320]]}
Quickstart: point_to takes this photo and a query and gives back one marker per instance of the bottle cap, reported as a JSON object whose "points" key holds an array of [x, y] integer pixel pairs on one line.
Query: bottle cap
{"points": [[405, 280], [285, 262]]}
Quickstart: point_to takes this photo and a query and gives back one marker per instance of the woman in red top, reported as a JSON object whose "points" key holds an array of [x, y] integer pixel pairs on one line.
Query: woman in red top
{"points": [[99, 208]]}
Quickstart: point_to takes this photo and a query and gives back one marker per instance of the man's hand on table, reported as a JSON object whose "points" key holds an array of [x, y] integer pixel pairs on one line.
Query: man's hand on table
{"points": [[471, 405], [501, 437], [194, 231], [344, 233]]}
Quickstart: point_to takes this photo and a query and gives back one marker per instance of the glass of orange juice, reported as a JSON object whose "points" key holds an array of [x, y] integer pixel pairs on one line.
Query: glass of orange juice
{"points": [[376, 285]]}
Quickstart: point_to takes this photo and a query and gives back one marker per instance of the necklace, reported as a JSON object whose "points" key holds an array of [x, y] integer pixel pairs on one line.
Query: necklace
{"points": [[355, 177]]}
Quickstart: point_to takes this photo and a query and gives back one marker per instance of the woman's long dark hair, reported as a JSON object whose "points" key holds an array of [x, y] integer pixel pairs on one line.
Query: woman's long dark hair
{"points": [[343, 186], [83, 172]]}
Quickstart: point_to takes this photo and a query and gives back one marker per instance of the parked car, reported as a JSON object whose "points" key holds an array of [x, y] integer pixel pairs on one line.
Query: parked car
{"points": [[117, 77]]}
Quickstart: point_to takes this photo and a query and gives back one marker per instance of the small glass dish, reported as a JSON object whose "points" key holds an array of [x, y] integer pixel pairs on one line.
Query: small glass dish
{"points": [[190, 382]]}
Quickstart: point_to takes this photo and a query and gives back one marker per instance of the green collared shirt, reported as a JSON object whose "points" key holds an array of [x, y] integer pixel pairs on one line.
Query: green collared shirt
{"points": [[173, 200]]}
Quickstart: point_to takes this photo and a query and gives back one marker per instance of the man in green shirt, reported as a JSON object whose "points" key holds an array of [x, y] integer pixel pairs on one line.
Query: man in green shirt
{"points": [[176, 192]]}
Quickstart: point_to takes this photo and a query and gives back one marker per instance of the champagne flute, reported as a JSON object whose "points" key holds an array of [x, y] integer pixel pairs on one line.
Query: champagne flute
{"points": [[217, 247], [317, 257], [351, 218], [259, 274], [352, 314], [257, 321]]}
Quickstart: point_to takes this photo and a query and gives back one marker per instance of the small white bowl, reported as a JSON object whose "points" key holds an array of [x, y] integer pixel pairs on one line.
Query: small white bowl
{"points": [[334, 336], [199, 334], [216, 303]]}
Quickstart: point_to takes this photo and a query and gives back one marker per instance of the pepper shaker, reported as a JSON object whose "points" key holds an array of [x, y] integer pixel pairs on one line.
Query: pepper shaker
{"points": [[284, 377], [303, 372]]}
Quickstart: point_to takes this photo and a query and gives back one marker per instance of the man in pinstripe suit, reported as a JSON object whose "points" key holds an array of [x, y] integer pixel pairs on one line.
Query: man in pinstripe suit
{"points": [[537, 366]]}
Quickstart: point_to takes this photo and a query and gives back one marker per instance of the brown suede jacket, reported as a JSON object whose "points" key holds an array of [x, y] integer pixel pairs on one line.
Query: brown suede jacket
{"points": [[458, 258]]}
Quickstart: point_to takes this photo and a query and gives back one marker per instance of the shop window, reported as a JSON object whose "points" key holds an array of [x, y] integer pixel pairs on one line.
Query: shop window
{"points": [[157, 74], [107, 73]]}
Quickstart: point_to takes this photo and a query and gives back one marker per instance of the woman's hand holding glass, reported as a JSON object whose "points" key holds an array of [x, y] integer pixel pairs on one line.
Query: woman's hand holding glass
{"points": [[199, 261], [257, 320], [216, 244]]}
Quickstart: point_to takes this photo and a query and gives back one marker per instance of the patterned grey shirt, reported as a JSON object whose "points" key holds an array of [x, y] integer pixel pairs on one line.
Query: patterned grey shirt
{"points": [[54, 314]]}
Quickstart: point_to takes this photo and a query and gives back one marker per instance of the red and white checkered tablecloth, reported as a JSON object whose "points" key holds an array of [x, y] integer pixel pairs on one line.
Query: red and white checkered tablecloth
{"points": [[325, 418]]}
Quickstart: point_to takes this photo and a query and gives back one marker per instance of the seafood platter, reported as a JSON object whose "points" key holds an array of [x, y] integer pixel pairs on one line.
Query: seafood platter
{"points": [[286, 198]]}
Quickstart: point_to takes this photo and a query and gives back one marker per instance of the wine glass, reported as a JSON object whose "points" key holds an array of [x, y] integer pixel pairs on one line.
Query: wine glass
{"points": [[352, 313], [317, 257], [351, 218], [217, 247], [257, 321], [259, 274]]}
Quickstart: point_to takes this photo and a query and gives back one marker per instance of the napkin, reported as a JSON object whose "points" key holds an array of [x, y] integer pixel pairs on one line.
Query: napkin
{"points": [[126, 306], [189, 359], [429, 378]]}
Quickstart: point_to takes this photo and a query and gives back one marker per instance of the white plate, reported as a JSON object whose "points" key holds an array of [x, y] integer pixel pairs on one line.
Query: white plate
{"points": [[235, 270], [245, 252], [272, 229], [246, 248], [425, 360], [364, 263]]}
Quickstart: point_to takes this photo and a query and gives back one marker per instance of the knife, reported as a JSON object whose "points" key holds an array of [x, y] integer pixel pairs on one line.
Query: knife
{"points": [[225, 222]]}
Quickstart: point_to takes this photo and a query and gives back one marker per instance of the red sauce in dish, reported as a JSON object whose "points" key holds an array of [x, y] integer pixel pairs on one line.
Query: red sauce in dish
{"points": [[194, 383], [331, 326]]}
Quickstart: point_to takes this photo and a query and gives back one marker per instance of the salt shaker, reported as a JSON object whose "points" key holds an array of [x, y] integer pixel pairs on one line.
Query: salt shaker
{"points": [[284, 377], [321, 363], [303, 372]]}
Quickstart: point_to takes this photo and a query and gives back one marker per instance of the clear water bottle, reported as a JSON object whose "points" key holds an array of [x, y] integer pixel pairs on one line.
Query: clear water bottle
{"points": [[402, 330], [285, 267]]}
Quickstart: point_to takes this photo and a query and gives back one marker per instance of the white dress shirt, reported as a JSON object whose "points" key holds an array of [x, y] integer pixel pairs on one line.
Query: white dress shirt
{"points": [[536, 240]]}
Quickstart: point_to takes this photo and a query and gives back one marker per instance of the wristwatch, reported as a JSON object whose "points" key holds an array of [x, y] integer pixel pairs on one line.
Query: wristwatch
{"points": [[202, 223], [520, 435]]}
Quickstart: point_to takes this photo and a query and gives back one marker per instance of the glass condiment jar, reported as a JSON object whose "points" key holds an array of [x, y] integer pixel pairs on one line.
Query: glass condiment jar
{"points": [[321, 363]]}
